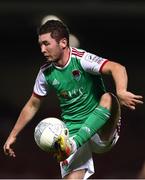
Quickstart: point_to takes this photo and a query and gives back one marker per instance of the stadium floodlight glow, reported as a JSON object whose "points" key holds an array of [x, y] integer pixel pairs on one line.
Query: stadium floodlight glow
{"points": [[74, 41], [49, 17]]}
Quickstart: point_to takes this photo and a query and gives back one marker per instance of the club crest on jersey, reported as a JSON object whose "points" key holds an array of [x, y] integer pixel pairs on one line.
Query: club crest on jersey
{"points": [[76, 74], [65, 165]]}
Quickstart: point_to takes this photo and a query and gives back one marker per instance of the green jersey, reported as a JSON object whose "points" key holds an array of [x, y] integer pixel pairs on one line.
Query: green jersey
{"points": [[78, 85]]}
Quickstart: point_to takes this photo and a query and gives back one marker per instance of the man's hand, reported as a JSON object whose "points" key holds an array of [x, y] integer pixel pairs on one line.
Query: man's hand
{"points": [[8, 150], [129, 99]]}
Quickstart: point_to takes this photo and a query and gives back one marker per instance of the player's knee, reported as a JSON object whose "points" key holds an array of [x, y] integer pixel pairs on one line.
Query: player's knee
{"points": [[106, 100]]}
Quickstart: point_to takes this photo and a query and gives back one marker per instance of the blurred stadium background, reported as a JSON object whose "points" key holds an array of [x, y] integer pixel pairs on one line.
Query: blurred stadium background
{"points": [[114, 29]]}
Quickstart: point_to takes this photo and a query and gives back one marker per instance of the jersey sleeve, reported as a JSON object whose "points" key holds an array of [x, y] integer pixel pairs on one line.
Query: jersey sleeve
{"points": [[92, 63], [41, 86]]}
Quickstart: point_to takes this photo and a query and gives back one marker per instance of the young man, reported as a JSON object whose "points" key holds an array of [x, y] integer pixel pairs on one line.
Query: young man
{"points": [[90, 113]]}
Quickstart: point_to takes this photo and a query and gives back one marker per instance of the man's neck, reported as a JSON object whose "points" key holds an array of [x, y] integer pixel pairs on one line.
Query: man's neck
{"points": [[65, 58]]}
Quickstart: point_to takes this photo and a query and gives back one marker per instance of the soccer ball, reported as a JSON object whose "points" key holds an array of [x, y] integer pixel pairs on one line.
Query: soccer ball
{"points": [[47, 131]]}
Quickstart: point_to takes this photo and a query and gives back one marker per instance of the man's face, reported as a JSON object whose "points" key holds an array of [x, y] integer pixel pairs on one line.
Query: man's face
{"points": [[51, 49]]}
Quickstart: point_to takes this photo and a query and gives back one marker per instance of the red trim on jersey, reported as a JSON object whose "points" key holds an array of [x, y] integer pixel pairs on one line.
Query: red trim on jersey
{"points": [[74, 49], [103, 65], [77, 53]]}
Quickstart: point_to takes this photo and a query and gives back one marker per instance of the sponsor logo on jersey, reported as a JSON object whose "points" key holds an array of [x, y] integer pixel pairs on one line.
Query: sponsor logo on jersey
{"points": [[76, 74], [72, 94], [64, 94]]}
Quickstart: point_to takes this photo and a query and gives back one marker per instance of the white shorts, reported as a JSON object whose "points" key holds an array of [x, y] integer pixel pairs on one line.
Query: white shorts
{"points": [[82, 158]]}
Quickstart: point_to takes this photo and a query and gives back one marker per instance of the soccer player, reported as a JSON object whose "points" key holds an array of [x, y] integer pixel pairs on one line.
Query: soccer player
{"points": [[91, 114]]}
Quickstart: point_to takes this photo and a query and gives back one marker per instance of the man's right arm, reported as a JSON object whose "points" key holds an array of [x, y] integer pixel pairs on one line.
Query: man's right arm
{"points": [[26, 115]]}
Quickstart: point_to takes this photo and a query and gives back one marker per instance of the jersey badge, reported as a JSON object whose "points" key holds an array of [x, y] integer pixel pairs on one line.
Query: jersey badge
{"points": [[76, 74], [65, 165]]}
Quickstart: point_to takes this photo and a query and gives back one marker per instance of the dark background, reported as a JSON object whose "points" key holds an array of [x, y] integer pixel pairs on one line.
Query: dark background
{"points": [[109, 28]]}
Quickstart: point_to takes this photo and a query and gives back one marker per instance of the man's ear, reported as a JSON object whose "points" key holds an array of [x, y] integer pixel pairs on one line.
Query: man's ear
{"points": [[63, 43]]}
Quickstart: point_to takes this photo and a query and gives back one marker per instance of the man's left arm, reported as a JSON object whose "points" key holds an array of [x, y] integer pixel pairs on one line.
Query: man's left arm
{"points": [[120, 77]]}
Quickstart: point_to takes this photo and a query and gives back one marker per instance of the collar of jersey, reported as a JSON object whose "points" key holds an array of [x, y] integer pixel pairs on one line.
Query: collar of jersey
{"points": [[58, 67]]}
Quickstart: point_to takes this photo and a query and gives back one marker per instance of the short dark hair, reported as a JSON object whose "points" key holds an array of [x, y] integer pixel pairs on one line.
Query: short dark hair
{"points": [[57, 29]]}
